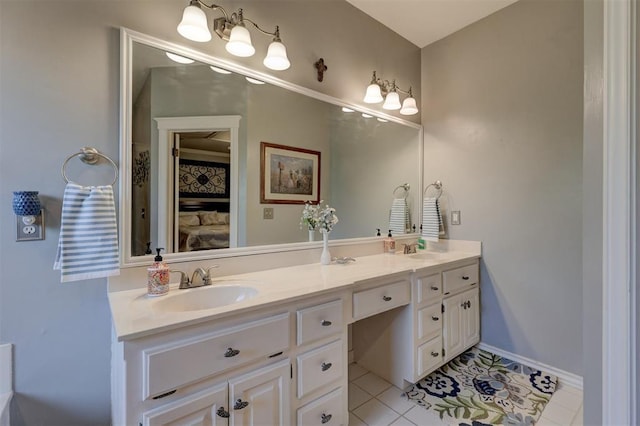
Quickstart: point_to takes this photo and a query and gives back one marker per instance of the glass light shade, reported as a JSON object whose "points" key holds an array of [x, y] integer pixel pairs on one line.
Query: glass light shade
{"points": [[382, 120], [239, 43], [219, 70], [365, 115], [254, 81], [194, 24], [409, 107], [392, 101], [179, 59], [345, 109], [276, 58], [373, 95]]}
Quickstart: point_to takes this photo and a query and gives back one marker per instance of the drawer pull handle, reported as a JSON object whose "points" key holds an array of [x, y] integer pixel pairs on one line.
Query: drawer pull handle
{"points": [[326, 365], [240, 404], [386, 298], [165, 394], [465, 277], [326, 323], [326, 418], [230, 353], [434, 288], [222, 413], [435, 354], [435, 318]]}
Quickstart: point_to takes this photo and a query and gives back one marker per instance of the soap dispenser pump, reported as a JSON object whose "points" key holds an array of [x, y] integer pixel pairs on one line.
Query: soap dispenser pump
{"points": [[158, 276], [389, 244]]}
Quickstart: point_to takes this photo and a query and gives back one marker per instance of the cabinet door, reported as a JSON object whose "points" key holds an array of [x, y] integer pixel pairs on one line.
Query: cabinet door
{"points": [[452, 332], [206, 408], [471, 319], [261, 397]]}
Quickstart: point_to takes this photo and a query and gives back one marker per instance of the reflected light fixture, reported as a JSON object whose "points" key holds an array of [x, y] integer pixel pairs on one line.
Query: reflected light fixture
{"points": [[219, 70], [179, 59], [382, 90], [232, 29], [345, 109], [365, 115], [254, 80]]}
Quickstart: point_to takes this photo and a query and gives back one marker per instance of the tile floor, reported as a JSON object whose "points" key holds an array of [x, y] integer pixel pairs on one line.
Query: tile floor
{"points": [[373, 401]]}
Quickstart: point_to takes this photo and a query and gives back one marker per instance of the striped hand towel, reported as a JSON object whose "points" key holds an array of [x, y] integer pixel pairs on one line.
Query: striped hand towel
{"points": [[399, 217], [431, 219], [88, 244]]}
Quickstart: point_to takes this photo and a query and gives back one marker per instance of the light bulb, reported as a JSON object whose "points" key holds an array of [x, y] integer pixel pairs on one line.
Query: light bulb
{"points": [[373, 95], [194, 24], [409, 107], [276, 58], [392, 101], [239, 43]]}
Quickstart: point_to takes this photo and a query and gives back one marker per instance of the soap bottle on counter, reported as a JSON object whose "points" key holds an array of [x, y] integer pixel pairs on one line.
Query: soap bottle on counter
{"points": [[158, 276], [389, 244]]}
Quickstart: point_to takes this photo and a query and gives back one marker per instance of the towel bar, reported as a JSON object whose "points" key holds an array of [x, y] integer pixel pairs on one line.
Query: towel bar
{"points": [[437, 185]]}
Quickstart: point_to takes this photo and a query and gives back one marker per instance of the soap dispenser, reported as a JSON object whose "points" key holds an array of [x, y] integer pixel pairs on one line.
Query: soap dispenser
{"points": [[389, 244], [158, 276]]}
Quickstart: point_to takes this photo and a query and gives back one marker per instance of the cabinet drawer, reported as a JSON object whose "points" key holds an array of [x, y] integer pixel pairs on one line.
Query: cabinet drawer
{"points": [[380, 299], [429, 288], [429, 322], [429, 356], [326, 410], [459, 278], [319, 367], [171, 366], [319, 321]]}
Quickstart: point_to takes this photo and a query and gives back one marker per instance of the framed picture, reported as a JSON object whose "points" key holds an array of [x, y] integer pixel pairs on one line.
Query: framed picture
{"points": [[288, 175], [203, 179]]}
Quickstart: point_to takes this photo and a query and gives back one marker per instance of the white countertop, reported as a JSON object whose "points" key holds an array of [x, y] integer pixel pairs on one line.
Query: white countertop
{"points": [[135, 315]]}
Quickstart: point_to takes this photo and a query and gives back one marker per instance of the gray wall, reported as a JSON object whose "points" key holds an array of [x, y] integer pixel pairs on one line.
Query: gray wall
{"points": [[502, 112], [59, 81]]}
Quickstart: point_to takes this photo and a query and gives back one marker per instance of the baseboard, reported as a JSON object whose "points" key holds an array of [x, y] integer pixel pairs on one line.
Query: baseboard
{"points": [[564, 377]]}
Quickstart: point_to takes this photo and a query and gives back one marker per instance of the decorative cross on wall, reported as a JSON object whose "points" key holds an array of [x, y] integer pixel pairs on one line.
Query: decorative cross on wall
{"points": [[321, 67]]}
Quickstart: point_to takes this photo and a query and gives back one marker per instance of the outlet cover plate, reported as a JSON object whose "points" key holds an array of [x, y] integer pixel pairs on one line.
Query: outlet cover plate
{"points": [[28, 230], [267, 213]]}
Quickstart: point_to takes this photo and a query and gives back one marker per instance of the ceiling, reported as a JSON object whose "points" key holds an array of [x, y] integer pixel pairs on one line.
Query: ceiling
{"points": [[423, 22]]}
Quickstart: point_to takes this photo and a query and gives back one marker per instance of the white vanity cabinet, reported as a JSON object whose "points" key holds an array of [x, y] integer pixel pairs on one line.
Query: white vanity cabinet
{"points": [[461, 322]]}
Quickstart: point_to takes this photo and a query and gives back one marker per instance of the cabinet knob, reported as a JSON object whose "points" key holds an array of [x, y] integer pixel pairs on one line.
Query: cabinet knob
{"points": [[231, 353], [386, 298], [435, 354], [468, 303], [240, 404], [222, 413], [435, 318], [326, 365], [463, 305], [326, 323], [326, 418], [434, 288], [465, 277]]}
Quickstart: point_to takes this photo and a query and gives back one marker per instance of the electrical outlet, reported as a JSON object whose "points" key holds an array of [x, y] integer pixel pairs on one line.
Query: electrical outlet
{"points": [[30, 228], [455, 217], [267, 213]]}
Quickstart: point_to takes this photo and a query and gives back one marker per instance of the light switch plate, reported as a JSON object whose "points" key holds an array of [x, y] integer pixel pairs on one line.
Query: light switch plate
{"points": [[455, 217], [267, 213], [28, 229]]}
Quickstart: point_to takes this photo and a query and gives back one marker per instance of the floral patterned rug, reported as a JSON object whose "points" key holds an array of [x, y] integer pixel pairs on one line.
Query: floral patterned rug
{"points": [[479, 388]]}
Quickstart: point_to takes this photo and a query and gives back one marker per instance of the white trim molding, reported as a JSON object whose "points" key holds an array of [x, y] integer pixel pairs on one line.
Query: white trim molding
{"points": [[618, 296], [564, 377]]}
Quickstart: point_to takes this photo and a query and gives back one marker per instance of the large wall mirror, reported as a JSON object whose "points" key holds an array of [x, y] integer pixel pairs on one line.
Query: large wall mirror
{"points": [[200, 136]]}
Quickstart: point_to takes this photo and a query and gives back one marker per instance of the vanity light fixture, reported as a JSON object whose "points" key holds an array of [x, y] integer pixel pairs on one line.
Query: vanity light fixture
{"points": [[219, 70], [382, 120], [232, 29], [365, 115], [254, 80], [179, 59], [345, 109], [382, 90]]}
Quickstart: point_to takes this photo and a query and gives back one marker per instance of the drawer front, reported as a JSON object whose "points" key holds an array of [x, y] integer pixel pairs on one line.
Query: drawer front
{"points": [[169, 367], [324, 411], [429, 289], [429, 322], [319, 367], [380, 299], [319, 321], [429, 356], [459, 278]]}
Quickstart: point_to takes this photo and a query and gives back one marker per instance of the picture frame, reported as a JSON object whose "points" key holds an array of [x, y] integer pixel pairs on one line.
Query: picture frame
{"points": [[289, 175], [203, 179]]}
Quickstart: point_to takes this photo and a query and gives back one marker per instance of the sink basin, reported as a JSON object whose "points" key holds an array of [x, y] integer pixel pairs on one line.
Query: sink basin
{"points": [[209, 297]]}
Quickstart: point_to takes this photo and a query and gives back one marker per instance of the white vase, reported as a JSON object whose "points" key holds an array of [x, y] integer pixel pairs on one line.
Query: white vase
{"points": [[325, 257], [312, 234]]}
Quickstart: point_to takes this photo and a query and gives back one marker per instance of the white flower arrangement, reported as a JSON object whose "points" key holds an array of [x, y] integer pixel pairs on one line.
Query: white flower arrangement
{"points": [[315, 217]]}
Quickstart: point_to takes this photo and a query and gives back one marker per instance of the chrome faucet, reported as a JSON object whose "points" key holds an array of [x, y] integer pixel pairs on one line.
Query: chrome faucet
{"points": [[203, 276], [409, 248]]}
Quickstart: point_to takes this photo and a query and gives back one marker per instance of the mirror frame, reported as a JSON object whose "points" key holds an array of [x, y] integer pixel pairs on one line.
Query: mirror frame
{"points": [[127, 38]]}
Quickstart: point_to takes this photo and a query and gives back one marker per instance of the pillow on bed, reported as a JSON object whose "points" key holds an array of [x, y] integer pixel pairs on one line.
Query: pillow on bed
{"points": [[208, 218], [189, 220]]}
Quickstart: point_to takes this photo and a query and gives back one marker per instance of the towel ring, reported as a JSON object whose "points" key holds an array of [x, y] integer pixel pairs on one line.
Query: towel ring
{"points": [[406, 187], [437, 185], [90, 156]]}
